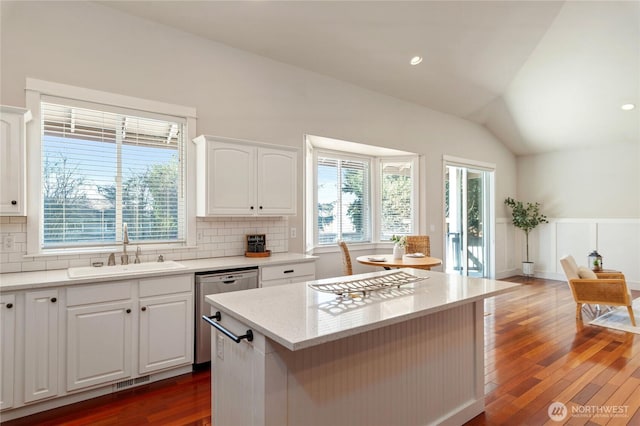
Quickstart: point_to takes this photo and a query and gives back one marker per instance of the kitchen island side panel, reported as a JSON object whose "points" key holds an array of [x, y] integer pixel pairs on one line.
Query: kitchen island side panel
{"points": [[427, 370]]}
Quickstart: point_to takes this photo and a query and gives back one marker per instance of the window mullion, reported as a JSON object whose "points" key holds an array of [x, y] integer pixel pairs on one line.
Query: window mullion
{"points": [[119, 190]]}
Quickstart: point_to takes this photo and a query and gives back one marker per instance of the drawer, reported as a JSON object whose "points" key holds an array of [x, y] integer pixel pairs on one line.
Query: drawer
{"points": [[294, 270], [166, 285], [285, 281], [98, 293]]}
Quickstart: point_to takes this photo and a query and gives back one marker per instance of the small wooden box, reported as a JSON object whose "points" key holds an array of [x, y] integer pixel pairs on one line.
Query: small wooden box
{"points": [[257, 246]]}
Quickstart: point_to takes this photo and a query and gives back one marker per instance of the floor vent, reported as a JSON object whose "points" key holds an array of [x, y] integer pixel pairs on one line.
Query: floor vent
{"points": [[130, 382]]}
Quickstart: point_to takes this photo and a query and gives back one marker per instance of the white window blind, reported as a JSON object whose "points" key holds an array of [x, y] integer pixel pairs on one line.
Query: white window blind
{"points": [[343, 200], [396, 204], [102, 169]]}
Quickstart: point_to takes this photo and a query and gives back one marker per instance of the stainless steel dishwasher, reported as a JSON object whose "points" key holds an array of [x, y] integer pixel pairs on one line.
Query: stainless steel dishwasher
{"points": [[220, 281]]}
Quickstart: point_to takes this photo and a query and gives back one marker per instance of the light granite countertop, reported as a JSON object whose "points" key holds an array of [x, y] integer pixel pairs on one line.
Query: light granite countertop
{"points": [[16, 281], [297, 316]]}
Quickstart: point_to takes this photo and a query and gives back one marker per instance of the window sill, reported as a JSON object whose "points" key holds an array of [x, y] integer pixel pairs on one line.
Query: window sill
{"points": [[131, 249]]}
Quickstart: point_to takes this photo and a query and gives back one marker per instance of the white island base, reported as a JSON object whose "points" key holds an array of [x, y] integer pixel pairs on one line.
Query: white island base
{"points": [[426, 369]]}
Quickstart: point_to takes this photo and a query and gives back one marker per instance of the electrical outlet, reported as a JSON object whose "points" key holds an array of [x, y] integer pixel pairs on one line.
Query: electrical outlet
{"points": [[293, 232], [220, 346], [8, 242]]}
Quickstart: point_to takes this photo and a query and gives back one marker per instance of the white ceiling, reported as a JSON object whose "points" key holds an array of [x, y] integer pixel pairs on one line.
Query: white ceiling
{"points": [[540, 75]]}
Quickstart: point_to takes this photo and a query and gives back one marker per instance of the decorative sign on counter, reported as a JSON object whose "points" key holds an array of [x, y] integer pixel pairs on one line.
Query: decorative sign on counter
{"points": [[257, 246]]}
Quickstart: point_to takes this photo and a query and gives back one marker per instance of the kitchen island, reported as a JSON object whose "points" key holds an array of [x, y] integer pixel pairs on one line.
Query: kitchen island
{"points": [[409, 354]]}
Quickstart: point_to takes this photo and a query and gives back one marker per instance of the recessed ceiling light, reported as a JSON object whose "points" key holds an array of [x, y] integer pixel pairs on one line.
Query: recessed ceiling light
{"points": [[628, 107], [416, 60]]}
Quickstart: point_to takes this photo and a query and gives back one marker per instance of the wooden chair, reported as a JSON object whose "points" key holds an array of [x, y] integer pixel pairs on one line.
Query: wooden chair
{"points": [[609, 289], [346, 258], [418, 244]]}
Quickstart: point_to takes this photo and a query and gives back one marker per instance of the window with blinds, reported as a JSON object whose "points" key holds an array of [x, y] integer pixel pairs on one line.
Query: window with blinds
{"points": [[343, 200], [396, 178], [102, 169]]}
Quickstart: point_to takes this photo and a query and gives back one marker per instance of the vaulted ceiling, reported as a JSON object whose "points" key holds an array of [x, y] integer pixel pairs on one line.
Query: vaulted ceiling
{"points": [[540, 75]]}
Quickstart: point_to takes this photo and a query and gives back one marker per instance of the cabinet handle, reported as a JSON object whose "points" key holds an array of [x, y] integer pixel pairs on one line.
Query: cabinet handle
{"points": [[289, 271], [260, 207], [128, 311], [54, 300], [144, 308], [9, 305], [14, 202], [251, 207]]}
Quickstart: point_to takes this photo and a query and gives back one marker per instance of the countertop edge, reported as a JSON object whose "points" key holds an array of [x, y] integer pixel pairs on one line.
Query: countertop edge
{"points": [[29, 280], [299, 345]]}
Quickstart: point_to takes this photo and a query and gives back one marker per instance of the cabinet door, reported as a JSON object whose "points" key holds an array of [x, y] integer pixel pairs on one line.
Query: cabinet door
{"points": [[166, 332], [41, 345], [7, 351], [12, 157], [99, 343], [276, 184], [230, 179]]}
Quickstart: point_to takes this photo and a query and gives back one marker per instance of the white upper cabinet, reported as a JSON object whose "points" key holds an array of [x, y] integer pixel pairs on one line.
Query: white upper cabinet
{"points": [[240, 178], [12, 160]]}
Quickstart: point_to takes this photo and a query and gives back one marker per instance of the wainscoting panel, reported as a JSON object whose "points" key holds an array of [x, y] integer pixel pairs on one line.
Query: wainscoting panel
{"points": [[617, 240], [619, 246]]}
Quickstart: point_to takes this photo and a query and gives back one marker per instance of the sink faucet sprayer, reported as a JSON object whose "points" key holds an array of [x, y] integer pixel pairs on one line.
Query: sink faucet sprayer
{"points": [[124, 259]]}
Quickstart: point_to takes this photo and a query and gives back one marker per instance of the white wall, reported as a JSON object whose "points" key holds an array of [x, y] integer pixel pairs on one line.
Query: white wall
{"points": [[587, 183], [592, 197], [236, 94]]}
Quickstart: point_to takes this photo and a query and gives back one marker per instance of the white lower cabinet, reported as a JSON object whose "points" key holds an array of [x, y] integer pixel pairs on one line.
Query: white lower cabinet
{"points": [[113, 328], [99, 333], [99, 342], [7, 349], [41, 344], [56, 343], [166, 323], [287, 274]]}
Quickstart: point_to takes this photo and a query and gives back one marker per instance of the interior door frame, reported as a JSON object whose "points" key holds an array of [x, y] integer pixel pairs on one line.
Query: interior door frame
{"points": [[448, 160]]}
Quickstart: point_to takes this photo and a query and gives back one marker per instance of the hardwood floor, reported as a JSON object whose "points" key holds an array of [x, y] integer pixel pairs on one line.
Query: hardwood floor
{"points": [[536, 353]]}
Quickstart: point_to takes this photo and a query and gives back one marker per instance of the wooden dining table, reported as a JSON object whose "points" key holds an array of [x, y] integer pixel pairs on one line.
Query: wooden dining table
{"points": [[387, 261]]}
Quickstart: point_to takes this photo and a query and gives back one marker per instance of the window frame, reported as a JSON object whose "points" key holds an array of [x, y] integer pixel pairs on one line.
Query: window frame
{"points": [[375, 191], [341, 156], [38, 91]]}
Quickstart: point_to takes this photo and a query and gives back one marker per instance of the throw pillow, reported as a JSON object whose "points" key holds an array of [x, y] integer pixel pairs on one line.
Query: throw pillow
{"points": [[584, 272]]}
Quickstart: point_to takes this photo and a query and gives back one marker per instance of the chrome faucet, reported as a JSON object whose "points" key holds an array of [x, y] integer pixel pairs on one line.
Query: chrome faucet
{"points": [[138, 251], [112, 259], [124, 259]]}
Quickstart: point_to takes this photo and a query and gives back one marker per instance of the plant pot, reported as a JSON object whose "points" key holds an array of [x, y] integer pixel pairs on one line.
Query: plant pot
{"points": [[527, 269], [398, 251]]}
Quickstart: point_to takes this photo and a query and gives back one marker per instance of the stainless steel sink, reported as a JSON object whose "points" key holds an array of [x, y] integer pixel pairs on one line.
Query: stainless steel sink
{"points": [[135, 268]]}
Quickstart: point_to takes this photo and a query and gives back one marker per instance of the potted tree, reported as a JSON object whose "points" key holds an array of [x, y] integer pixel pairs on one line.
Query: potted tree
{"points": [[526, 217]]}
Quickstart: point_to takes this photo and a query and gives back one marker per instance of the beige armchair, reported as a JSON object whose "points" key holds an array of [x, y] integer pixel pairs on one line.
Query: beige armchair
{"points": [[587, 287]]}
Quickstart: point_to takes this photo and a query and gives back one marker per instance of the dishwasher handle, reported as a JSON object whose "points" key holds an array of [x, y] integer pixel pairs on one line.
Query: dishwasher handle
{"points": [[217, 316]]}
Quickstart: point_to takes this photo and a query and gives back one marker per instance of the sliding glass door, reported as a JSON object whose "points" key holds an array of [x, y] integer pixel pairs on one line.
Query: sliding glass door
{"points": [[468, 220]]}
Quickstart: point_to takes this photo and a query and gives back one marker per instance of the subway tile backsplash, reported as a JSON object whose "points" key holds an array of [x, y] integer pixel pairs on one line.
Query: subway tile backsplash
{"points": [[216, 237]]}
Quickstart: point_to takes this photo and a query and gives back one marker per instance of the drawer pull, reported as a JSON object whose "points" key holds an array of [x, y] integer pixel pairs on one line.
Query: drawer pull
{"points": [[289, 271]]}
